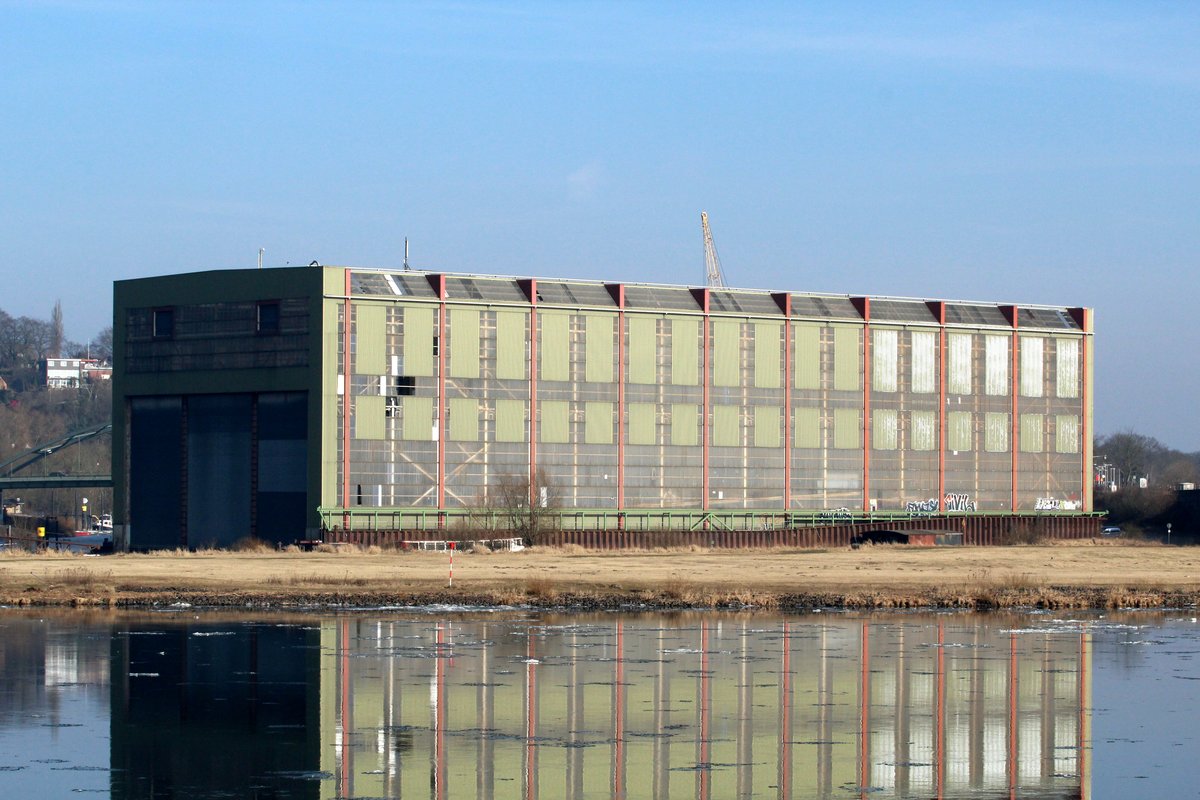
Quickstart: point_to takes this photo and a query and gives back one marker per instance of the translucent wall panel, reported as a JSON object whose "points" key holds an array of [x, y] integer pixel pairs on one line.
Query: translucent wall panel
{"points": [[883, 429], [726, 355], [464, 343], [958, 378], [641, 425], [417, 418], [555, 421], [924, 362], [847, 428], [808, 427], [598, 360], [807, 346], [370, 339], [464, 419], [960, 431], [1032, 361], [1032, 433], [1066, 429], [767, 423], [995, 432], [923, 435], [885, 357], [418, 341], [598, 423], [369, 419], [510, 420], [1068, 367], [684, 424], [847, 358], [554, 351], [685, 334], [642, 349], [766, 355], [725, 428], [511, 352], [997, 361]]}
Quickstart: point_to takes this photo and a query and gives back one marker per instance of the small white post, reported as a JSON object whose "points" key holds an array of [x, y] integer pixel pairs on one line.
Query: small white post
{"points": [[450, 546]]}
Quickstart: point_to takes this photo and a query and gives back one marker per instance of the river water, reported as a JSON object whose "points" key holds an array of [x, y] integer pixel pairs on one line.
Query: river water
{"points": [[446, 703]]}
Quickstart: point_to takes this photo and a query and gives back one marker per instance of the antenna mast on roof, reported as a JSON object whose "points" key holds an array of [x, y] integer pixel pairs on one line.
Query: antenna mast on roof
{"points": [[406, 254], [712, 262]]}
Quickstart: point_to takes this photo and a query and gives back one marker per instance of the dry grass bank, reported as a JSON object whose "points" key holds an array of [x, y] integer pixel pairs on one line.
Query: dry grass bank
{"points": [[1062, 575]]}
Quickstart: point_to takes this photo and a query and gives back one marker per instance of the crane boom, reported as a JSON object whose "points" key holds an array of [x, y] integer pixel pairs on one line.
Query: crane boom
{"points": [[712, 262]]}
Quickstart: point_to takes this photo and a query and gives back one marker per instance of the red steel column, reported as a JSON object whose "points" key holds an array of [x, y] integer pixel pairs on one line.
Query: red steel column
{"points": [[1083, 317], [939, 311], [863, 304], [441, 406], [346, 401], [1014, 442], [706, 378], [533, 369], [784, 302], [621, 375]]}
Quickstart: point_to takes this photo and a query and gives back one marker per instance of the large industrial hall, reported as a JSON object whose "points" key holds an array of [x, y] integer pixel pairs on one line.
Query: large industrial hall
{"points": [[282, 403]]}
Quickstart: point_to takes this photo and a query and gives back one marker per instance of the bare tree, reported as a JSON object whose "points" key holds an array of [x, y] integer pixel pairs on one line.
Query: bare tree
{"points": [[528, 508]]}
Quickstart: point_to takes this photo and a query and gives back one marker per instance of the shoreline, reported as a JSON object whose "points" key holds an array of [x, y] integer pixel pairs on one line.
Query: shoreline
{"points": [[1087, 574]]}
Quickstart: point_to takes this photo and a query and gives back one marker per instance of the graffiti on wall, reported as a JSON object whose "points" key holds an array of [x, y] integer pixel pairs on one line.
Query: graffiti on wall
{"points": [[1048, 504], [951, 502], [836, 515]]}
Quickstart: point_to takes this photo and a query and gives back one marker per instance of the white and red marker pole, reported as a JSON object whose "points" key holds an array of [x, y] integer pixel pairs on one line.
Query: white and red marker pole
{"points": [[450, 545]]}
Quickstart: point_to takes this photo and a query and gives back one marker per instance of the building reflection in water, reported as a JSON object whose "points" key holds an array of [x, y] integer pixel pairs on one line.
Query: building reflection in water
{"points": [[708, 707]]}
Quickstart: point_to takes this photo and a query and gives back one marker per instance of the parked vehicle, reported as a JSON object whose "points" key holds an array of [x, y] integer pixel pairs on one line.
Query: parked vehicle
{"points": [[1111, 530]]}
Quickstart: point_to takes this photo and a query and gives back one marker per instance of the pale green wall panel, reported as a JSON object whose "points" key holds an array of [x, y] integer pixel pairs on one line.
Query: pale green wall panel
{"points": [[766, 355], [883, 429], [958, 363], [960, 433], [807, 356], [885, 360], [847, 360], [599, 339], [726, 426], [556, 427], [1067, 367], [511, 353], [1032, 366], [923, 361], [554, 350], [370, 421], [510, 420], [1032, 433], [464, 419], [685, 352], [464, 343], [847, 428], [370, 339], [643, 349], [598, 422], [641, 423], [767, 425], [418, 418], [418, 341], [808, 427], [923, 430], [995, 432], [726, 354], [1066, 433], [684, 424]]}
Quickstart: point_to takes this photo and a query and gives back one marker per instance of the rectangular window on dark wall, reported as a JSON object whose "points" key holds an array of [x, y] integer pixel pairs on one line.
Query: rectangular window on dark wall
{"points": [[268, 317], [405, 385], [164, 323]]}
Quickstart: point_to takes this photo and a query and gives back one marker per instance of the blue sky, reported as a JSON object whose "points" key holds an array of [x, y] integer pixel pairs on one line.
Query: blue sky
{"points": [[1038, 153]]}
